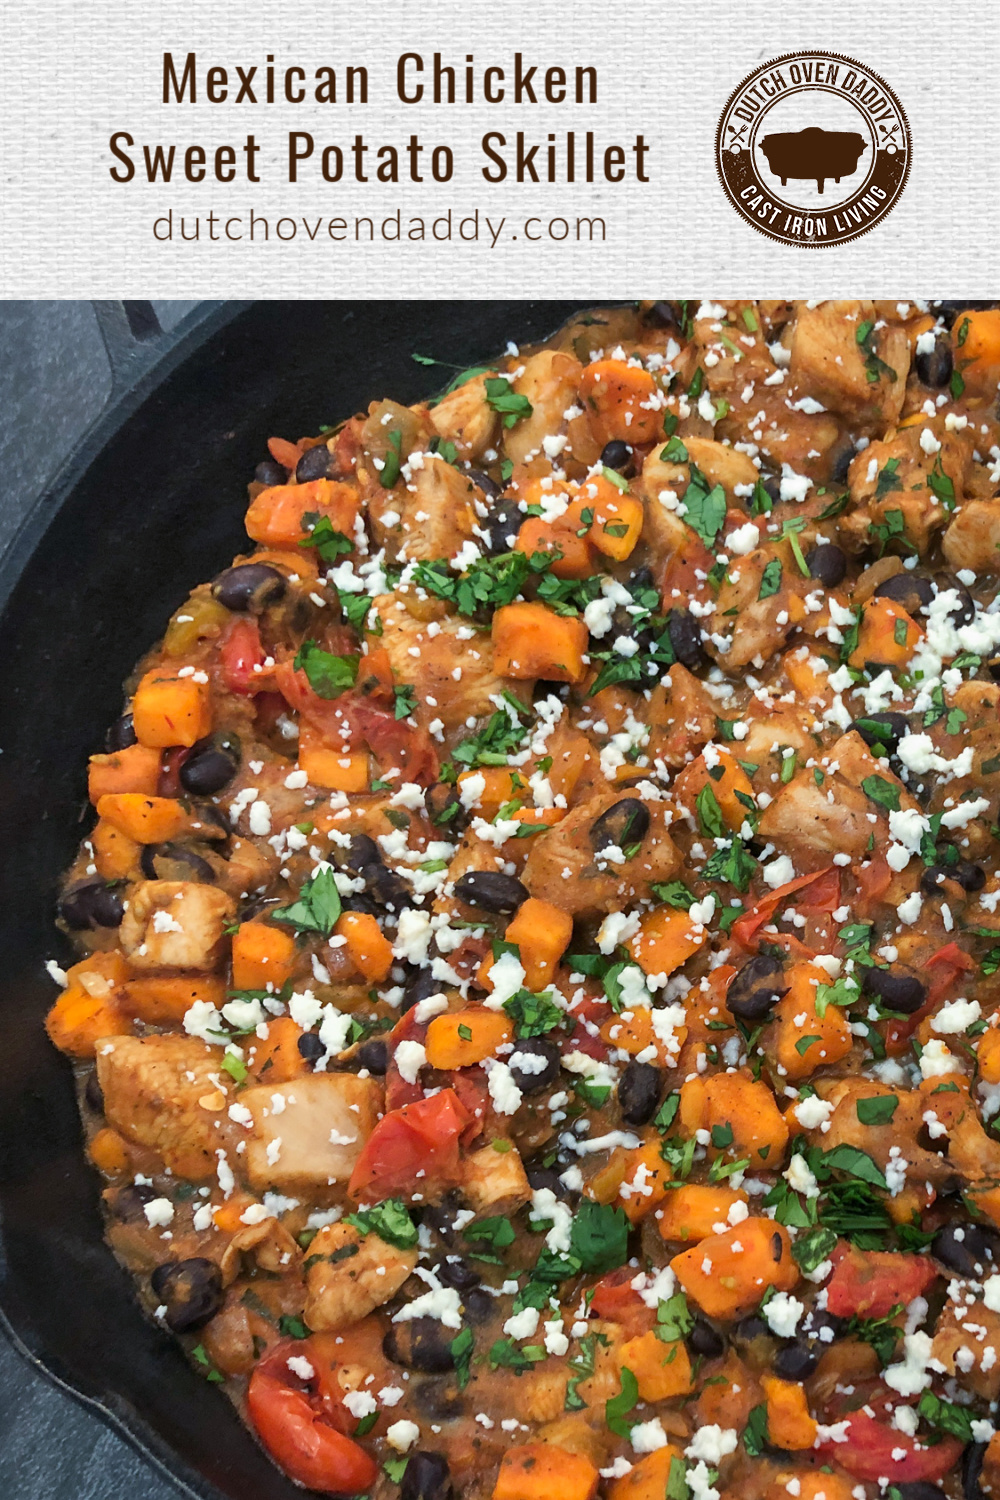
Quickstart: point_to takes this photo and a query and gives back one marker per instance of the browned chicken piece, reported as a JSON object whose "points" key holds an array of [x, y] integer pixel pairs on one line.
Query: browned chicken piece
{"points": [[681, 717], [308, 1133], [435, 511], [830, 363], [549, 381], [452, 670], [350, 1274], [761, 626], [168, 1093], [465, 418], [267, 1244], [770, 728], [738, 354], [855, 763], [833, 818], [176, 924], [965, 1343], [896, 474], [494, 1182], [564, 867], [973, 538]]}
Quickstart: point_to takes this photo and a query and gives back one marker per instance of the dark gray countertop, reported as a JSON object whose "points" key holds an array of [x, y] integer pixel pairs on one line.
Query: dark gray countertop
{"points": [[51, 1448]]}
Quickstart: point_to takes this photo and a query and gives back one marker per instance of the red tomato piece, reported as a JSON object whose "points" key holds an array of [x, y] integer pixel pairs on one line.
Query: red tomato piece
{"points": [[871, 1447], [239, 654], [296, 1434], [421, 1137], [870, 1283], [617, 1300], [821, 891]]}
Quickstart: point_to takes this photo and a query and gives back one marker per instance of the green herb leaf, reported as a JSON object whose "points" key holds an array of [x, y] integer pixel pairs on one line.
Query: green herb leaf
{"points": [[710, 817], [533, 1015], [617, 1408], [599, 1236], [405, 696], [705, 508], [512, 406], [755, 1434], [770, 582], [885, 793], [390, 1220], [877, 1110], [328, 675], [317, 907], [812, 1248]]}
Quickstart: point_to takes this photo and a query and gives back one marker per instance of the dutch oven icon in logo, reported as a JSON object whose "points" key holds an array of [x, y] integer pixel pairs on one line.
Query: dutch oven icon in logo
{"points": [[813, 153], [813, 148]]}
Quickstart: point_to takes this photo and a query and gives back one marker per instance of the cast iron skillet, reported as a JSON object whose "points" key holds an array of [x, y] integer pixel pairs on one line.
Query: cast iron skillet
{"points": [[152, 505]]}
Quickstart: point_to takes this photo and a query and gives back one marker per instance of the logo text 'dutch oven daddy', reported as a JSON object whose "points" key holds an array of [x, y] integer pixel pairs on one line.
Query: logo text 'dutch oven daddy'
{"points": [[813, 148]]}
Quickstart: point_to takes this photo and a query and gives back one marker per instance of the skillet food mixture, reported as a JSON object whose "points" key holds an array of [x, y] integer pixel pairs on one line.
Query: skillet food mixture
{"points": [[538, 1015]]}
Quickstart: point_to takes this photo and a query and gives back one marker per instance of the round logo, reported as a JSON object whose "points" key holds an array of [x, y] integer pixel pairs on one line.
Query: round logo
{"points": [[813, 148]]}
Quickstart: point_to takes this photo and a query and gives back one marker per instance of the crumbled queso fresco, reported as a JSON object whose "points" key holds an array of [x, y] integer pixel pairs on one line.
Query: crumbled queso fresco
{"points": [[538, 942]]}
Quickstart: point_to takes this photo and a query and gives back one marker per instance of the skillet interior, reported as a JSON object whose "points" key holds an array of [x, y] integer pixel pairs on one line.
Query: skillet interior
{"points": [[157, 508]]}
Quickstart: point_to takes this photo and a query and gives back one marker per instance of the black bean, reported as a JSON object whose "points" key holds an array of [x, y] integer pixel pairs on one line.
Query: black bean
{"points": [[963, 610], [757, 988], [639, 1092], [419, 985], [969, 1249], [374, 1055], [426, 1477], [932, 881], [972, 1468], [441, 1217], [456, 1272], [363, 851], [269, 472], [971, 877], [772, 487], [491, 890], [91, 904], [191, 1291], [501, 526], [827, 563], [420, 1344], [120, 735], [314, 464], [93, 1093], [547, 1177], [934, 368], [884, 728], [840, 459], [913, 591], [385, 887], [129, 1202], [750, 1328], [437, 1398], [174, 862], [528, 1080], [483, 481], [619, 456], [249, 587], [622, 824], [358, 901], [478, 1305], [444, 807], [685, 638], [796, 1361], [662, 315], [310, 1047], [705, 1340], [818, 1319], [894, 989], [211, 765]]}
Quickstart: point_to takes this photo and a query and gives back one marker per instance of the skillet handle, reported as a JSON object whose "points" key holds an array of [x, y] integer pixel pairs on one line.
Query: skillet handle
{"points": [[133, 338]]}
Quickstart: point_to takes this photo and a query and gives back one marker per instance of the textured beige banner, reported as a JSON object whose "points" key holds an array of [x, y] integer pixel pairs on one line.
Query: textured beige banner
{"points": [[81, 94]]}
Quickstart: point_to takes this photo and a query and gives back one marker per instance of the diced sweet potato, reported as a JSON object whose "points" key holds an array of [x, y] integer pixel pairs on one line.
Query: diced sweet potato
{"points": [[530, 640], [729, 1273], [169, 709], [263, 956], [134, 769], [465, 1037]]}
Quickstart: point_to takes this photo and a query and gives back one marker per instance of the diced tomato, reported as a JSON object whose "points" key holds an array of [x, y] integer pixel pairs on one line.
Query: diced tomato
{"points": [[473, 1092], [399, 1090], [419, 1138], [287, 1418], [874, 877], [617, 1300], [870, 1283], [943, 967], [394, 743], [239, 654], [819, 891], [873, 1450]]}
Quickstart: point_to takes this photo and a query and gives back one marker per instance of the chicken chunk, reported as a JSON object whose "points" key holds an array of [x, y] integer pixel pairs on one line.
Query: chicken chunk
{"points": [[164, 1092], [832, 818], [973, 538], [440, 693], [967, 1344], [349, 1275], [436, 510], [308, 1133], [495, 1182], [465, 418], [564, 867], [549, 381], [830, 363], [176, 924]]}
